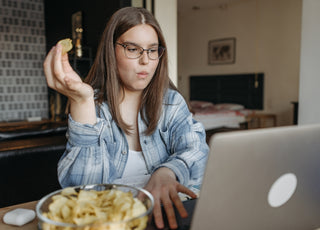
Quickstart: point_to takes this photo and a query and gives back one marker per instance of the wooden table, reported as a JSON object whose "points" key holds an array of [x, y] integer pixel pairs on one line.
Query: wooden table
{"points": [[30, 226], [189, 205]]}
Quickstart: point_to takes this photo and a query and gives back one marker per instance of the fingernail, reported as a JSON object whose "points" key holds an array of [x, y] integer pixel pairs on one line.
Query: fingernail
{"points": [[58, 48]]}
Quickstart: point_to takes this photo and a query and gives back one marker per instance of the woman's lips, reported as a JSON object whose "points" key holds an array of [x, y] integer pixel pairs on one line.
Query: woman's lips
{"points": [[143, 74]]}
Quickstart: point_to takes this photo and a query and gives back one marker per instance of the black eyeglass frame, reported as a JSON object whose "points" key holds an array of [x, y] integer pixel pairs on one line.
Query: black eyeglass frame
{"points": [[147, 50]]}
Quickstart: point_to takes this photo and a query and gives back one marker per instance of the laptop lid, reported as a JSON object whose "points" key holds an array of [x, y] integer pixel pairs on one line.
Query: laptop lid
{"points": [[262, 179]]}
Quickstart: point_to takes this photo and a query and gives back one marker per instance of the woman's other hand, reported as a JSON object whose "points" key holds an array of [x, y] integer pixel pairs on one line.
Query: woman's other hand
{"points": [[61, 77], [165, 188]]}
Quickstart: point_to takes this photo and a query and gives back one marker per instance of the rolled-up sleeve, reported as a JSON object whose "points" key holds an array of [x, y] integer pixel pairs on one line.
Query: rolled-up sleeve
{"points": [[83, 162]]}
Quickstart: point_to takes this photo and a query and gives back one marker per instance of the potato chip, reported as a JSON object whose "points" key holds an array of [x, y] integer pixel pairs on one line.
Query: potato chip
{"points": [[66, 45], [94, 208]]}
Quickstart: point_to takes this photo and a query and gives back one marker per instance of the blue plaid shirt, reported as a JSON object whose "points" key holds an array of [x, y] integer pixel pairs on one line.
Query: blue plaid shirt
{"points": [[98, 153]]}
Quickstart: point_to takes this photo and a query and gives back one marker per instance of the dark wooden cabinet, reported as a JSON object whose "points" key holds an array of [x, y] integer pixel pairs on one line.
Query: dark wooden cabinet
{"points": [[29, 154], [95, 13], [58, 25]]}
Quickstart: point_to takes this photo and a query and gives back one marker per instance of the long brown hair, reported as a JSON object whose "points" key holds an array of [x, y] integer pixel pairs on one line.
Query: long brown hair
{"points": [[104, 78]]}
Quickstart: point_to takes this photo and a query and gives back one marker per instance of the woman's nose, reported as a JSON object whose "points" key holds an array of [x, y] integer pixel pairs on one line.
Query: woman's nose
{"points": [[144, 59]]}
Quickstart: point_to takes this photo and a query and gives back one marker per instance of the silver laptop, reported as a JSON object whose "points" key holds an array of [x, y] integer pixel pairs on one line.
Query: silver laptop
{"points": [[262, 179]]}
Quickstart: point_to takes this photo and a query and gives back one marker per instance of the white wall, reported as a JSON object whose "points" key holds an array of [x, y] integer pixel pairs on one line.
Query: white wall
{"points": [[309, 106], [166, 14], [267, 36]]}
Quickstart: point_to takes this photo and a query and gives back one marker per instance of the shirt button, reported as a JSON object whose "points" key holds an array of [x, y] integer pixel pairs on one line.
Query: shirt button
{"points": [[124, 152], [145, 141]]}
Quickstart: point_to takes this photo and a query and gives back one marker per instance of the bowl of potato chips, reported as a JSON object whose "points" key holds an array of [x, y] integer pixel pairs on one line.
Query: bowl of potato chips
{"points": [[95, 207]]}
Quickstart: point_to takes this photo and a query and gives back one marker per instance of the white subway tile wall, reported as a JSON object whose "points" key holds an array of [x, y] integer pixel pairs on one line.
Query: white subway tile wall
{"points": [[23, 88]]}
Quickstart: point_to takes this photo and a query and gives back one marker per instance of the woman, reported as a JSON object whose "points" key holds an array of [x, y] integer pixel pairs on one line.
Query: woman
{"points": [[127, 121]]}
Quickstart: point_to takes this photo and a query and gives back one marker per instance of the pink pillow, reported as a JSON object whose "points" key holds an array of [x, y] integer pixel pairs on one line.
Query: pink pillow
{"points": [[229, 106], [200, 104]]}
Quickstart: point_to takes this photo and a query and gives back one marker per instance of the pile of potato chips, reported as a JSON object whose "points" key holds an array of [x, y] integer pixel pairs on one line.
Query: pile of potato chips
{"points": [[96, 208]]}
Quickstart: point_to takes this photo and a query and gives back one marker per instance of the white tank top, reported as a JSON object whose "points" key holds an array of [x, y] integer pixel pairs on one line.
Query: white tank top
{"points": [[135, 172]]}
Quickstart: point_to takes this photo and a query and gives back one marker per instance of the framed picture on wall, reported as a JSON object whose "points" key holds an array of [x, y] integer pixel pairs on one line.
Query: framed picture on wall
{"points": [[222, 51]]}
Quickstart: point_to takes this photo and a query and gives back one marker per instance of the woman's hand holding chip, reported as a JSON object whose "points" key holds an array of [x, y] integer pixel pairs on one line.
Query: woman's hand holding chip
{"points": [[61, 77]]}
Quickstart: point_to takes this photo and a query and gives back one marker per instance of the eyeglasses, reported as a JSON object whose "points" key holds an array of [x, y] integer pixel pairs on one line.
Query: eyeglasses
{"points": [[133, 51]]}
